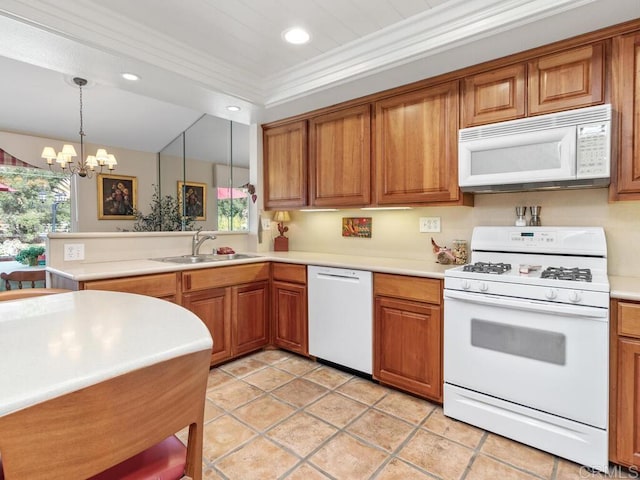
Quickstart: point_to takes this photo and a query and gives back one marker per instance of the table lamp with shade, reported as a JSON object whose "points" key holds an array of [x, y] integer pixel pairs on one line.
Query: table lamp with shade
{"points": [[281, 243]]}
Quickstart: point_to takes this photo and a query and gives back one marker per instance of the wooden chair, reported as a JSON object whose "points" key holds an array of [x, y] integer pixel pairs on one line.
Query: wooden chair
{"points": [[123, 427], [29, 292], [23, 276]]}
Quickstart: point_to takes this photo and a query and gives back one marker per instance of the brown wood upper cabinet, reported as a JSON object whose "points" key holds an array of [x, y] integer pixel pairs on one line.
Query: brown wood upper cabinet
{"points": [[565, 80], [340, 158], [559, 81], [626, 61], [285, 165], [494, 96], [416, 146]]}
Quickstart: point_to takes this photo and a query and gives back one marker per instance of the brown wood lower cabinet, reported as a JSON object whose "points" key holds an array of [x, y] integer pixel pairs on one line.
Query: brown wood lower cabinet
{"points": [[625, 381], [213, 306], [407, 334], [250, 317], [289, 307], [233, 302], [160, 285]]}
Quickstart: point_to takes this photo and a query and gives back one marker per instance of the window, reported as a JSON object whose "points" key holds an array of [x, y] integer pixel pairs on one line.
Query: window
{"points": [[32, 201], [233, 209]]}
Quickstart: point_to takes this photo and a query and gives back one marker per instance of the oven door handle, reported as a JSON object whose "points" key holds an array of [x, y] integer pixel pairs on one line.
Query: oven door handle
{"points": [[529, 305]]}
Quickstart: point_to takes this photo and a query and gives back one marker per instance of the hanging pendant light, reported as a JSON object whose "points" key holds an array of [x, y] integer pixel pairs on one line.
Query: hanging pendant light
{"points": [[82, 167]]}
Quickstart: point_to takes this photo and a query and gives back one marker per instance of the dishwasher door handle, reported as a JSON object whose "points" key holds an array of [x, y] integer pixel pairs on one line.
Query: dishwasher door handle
{"points": [[340, 278]]}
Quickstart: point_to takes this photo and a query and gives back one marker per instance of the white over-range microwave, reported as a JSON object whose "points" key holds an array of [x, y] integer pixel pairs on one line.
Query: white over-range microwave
{"points": [[565, 149]]}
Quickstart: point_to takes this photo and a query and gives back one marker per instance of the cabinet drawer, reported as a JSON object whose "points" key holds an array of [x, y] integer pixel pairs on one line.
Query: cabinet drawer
{"points": [[427, 290], [224, 276], [288, 272], [161, 285], [629, 319]]}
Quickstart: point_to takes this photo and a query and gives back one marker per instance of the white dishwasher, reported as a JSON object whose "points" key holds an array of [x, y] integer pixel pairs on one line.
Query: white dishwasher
{"points": [[340, 316]]}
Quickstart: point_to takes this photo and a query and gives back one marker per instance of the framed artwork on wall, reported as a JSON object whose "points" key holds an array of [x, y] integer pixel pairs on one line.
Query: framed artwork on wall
{"points": [[117, 197], [192, 199]]}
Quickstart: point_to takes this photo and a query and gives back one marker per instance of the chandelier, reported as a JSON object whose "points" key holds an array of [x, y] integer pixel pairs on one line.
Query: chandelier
{"points": [[82, 167]]}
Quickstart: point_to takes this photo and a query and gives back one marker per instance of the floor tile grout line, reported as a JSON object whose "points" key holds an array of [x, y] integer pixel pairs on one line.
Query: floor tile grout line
{"points": [[330, 387]]}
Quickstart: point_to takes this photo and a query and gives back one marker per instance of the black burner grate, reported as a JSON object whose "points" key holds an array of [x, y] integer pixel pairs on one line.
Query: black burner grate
{"points": [[487, 267], [562, 273]]}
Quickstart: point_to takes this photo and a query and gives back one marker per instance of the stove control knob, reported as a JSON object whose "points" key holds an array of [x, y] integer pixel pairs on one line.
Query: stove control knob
{"points": [[483, 286], [466, 284], [575, 296], [551, 294]]}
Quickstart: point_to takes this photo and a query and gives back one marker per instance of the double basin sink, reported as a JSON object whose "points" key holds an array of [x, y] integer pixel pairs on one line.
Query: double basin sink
{"points": [[191, 259]]}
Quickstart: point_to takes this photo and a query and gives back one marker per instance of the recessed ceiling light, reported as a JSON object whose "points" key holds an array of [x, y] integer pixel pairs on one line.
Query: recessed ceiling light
{"points": [[233, 108], [296, 35], [130, 76]]}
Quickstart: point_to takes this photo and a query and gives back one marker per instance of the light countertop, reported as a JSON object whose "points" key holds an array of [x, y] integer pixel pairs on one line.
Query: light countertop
{"points": [[56, 344], [115, 269], [627, 288]]}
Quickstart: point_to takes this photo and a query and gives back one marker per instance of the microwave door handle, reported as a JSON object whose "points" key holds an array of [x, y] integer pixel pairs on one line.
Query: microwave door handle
{"points": [[528, 305]]}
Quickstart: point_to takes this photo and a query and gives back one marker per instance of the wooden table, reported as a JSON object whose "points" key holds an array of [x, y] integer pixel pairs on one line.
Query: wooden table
{"points": [[90, 378]]}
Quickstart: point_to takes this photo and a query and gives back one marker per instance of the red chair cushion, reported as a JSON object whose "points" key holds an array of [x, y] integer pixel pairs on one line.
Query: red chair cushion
{"points": [[164, 461]]}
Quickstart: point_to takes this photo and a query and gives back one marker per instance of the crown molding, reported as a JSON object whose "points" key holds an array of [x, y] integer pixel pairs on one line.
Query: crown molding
{"points": [[420, 36]]}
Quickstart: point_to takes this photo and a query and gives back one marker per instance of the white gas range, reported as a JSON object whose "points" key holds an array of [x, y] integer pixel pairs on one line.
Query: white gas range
{"points": [[526, 336]]}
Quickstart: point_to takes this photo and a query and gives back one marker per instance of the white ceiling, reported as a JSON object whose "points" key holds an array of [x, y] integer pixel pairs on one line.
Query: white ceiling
{"points": [[198, 56]]}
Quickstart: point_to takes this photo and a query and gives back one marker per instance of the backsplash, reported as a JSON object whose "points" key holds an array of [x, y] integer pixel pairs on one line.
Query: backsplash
{"points": [[395, 232]]}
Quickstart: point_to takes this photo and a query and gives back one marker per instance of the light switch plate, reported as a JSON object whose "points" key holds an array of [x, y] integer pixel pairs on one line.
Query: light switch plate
{"points": [[429, 224], [266, 224], [73, 252]]}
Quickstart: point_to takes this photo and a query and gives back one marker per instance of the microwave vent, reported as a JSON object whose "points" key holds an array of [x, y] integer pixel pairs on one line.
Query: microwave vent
{"points": [[582, 116]]}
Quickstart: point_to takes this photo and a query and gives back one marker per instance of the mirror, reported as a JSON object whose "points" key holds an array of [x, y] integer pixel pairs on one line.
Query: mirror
{"points": [[208, 166]]}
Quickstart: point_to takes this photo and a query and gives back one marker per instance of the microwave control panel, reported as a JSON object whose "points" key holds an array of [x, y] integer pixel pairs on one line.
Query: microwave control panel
{"points": [[593, 149]]}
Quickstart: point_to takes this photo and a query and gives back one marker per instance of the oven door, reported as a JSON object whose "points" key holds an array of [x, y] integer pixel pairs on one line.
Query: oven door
{"points": [[547, 356]]}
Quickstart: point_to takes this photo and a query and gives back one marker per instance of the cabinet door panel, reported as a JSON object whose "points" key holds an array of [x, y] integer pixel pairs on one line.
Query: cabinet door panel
{"points": [[213, 307], [628, 408], [290, 317], [285, 165], [407, 346], [416, 146], [494, 96], [249, 311], [565, 80], [340, 157], [626, 59]]}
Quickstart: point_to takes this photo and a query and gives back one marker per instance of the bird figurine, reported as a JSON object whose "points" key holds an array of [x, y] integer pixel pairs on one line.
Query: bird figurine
{"points": [[443, 254]]}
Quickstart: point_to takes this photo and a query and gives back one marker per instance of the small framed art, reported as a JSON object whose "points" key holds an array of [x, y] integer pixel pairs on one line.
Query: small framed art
{"points": [[117, 197], [195, 199]]}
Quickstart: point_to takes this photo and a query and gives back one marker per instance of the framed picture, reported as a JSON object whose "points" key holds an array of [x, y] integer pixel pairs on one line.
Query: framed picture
{"points": [[356, 227], [117, 197], [195, 199]]}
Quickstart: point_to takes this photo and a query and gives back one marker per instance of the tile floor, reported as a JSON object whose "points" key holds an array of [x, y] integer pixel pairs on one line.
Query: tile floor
{"points": [[275, 415]]}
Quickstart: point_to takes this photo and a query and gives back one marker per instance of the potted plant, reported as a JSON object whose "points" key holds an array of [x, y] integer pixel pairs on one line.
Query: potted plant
{"points": [[29, 256], [165, 216]]}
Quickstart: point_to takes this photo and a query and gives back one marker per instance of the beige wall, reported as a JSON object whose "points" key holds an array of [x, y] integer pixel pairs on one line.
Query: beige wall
{"points": [[395, 233]]}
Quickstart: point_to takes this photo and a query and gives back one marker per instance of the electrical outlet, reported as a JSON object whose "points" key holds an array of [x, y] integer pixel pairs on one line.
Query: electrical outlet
{"points": [[266, 224], [429, 224], [73, 252]]}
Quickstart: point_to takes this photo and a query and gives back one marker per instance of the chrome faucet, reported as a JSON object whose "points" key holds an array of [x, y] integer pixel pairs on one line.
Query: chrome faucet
{"points": [[197, 241]]}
